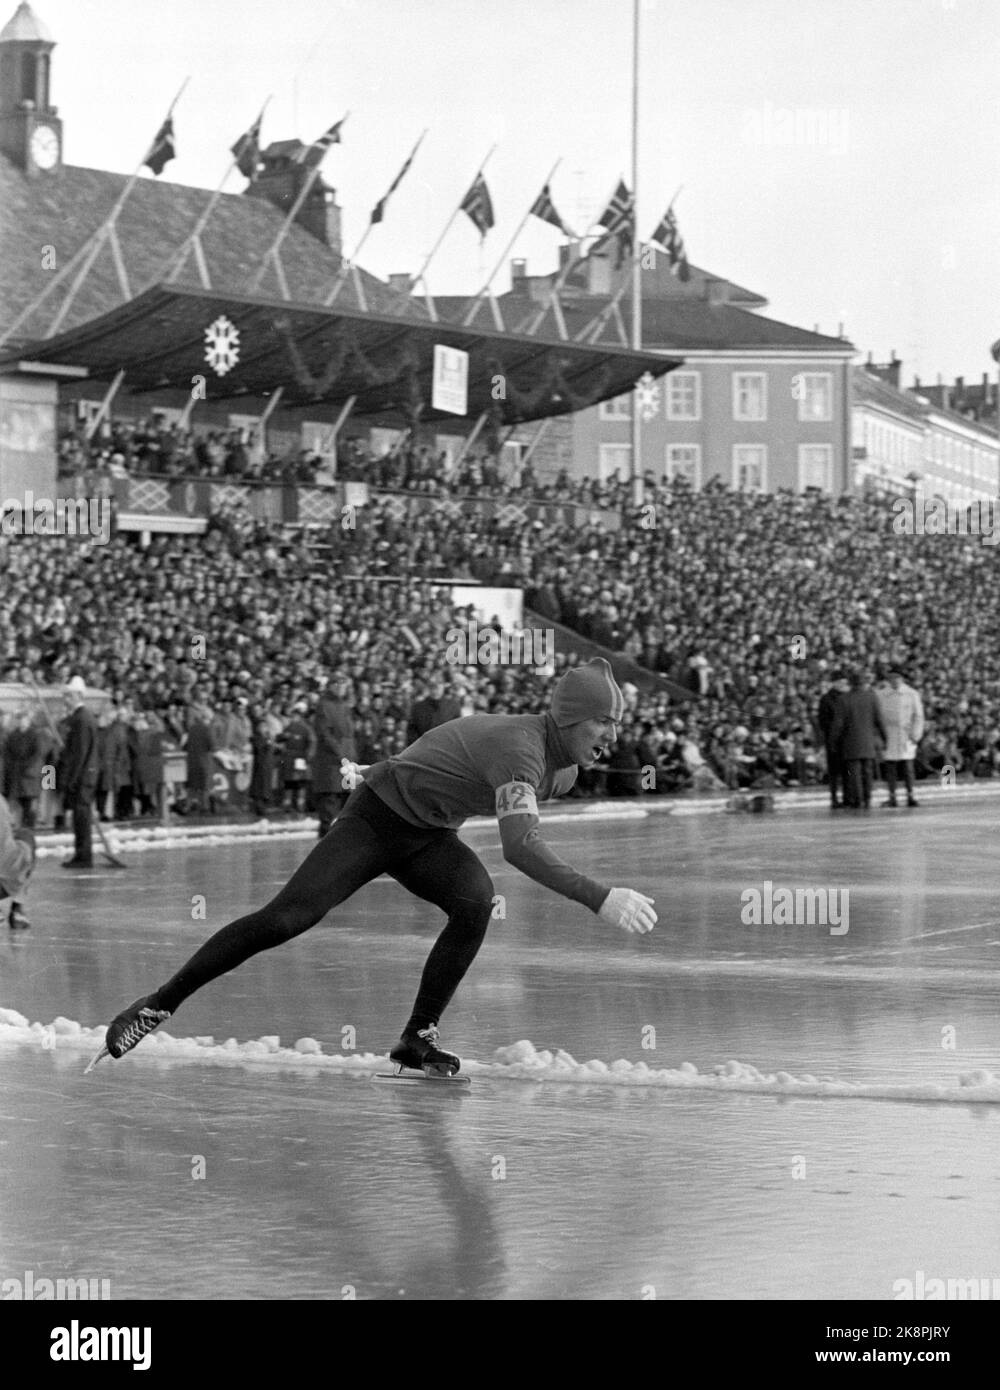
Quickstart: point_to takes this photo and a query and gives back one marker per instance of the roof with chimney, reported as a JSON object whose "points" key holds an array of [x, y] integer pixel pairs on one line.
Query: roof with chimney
{"points": [[65, 208], [681, 324], [871, 388]]}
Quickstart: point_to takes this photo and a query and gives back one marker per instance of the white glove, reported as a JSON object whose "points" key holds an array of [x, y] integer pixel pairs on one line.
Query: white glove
{"points": [[631, 911], [351, 774]]}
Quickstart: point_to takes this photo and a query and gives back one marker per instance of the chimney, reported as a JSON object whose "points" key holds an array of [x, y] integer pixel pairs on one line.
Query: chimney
{"points": [[518, 274], [895, 367], [280, 181], [399, 280]]}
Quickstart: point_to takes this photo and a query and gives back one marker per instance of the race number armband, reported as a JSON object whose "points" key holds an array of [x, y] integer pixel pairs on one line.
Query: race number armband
{"points": [[516, 799]]}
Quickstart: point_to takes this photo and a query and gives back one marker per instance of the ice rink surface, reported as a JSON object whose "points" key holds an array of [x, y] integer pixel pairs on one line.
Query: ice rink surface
{"points": [[861, 1151]]}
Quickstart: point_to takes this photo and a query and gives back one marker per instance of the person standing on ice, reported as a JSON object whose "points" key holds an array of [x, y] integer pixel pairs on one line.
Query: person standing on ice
{"points": [[17, 859], [402, 821]]}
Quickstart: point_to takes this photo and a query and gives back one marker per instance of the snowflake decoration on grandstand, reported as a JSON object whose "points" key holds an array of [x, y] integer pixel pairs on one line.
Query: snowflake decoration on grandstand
{"points": [[647, 395], [222, 350]]}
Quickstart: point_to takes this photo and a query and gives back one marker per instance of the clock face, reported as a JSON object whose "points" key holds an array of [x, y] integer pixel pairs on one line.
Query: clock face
{"points": [[45, 147]]}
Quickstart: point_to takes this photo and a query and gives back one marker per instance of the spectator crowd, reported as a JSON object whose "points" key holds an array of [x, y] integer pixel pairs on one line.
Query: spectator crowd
{"points": [[229, 645]]}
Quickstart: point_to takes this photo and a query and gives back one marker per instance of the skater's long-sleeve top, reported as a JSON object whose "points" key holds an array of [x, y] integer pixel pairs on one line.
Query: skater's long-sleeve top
{"points": [[490, 764]]}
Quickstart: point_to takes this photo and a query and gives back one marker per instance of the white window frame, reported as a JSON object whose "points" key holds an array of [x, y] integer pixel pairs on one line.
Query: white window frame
{"points": [[672, 408], [622, 453], [827, 484], [618, 408], [761, 451], [743, 376], [812, 382], [668, 467]]}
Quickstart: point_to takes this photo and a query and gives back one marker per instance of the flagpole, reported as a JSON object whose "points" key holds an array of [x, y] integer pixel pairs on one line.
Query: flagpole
{"points": [[99, 238], [405, 296], [304, 191], [176, 263], [637, 489], [352, 261], [474, 305]]}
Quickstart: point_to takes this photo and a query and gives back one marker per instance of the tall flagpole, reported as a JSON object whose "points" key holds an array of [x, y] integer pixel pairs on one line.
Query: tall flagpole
{"points": [[477, 299], [351, 263], [271, 254], [422, 272], [637, 489], [193, 240]]}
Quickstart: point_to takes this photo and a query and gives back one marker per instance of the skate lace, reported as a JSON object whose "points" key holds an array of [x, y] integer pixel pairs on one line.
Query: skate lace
{"points": [[430, 1034], [144, 1022]]}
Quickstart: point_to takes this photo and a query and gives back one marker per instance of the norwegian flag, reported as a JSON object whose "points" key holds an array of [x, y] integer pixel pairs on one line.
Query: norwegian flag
{"points": [[478, 206], [247, 150], [313, 154], [544, 208], [378, 211], [668, 236], [162, 150], [619, 220]]}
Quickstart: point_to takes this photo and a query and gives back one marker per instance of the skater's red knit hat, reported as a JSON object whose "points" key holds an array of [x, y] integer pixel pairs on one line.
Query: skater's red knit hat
{"points": [[587, 692]]}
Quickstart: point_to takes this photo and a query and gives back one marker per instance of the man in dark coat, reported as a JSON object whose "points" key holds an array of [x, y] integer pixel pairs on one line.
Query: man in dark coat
{"points": [[829, 706], [24, 755], [435, 708], [78, 771], [857, 725], [334, 742]]}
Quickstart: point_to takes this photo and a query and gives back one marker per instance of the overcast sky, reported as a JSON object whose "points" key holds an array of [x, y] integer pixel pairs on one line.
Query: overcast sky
{"points": [[840, 157]]}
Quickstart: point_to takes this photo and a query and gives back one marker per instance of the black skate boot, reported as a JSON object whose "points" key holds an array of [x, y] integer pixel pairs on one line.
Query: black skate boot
{"points": [[129, 1028], [420, 1051]]}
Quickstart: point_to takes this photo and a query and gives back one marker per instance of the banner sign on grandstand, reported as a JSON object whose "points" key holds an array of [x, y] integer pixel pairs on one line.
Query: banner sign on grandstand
{"points": [[451, 380], [489, 603]]}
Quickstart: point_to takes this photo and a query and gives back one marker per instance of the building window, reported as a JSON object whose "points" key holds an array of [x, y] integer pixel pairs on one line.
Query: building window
{"points": [[614, 460], [749, 396], [684, 461], [816, 466], [814, 392], [749, 467], [684, 396], [618, 409]]}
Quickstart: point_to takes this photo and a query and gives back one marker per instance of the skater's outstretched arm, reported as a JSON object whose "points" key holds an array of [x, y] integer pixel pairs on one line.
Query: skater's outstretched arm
{"points": [[524, 848]]}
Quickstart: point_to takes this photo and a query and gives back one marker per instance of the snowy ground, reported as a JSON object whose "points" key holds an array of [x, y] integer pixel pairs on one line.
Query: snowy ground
{"points": [[715, 1111]]}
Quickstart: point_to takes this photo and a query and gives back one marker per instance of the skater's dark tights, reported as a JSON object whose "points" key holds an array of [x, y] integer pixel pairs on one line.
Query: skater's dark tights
{"points": [[367, 839]]}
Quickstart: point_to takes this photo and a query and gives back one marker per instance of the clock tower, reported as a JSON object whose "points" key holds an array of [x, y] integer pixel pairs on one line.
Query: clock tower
{"points": [[30, 129]]}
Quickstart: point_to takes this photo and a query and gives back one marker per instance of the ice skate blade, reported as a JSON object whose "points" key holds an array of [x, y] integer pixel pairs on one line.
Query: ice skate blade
{"points": [[94, 1061], [420, 1078]]}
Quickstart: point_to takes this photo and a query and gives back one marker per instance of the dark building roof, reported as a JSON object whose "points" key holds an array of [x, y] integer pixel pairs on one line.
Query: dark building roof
{"points": [[873, 389], [65, 208], [670, 324]]}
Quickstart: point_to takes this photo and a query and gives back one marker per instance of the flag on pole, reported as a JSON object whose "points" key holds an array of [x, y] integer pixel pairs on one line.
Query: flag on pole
{"points": [[162, 151], [247, 150], [668, 236], [378, 211], [313, 154], [544, 208], [478, 206], [618, 218], [995, 351]]}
